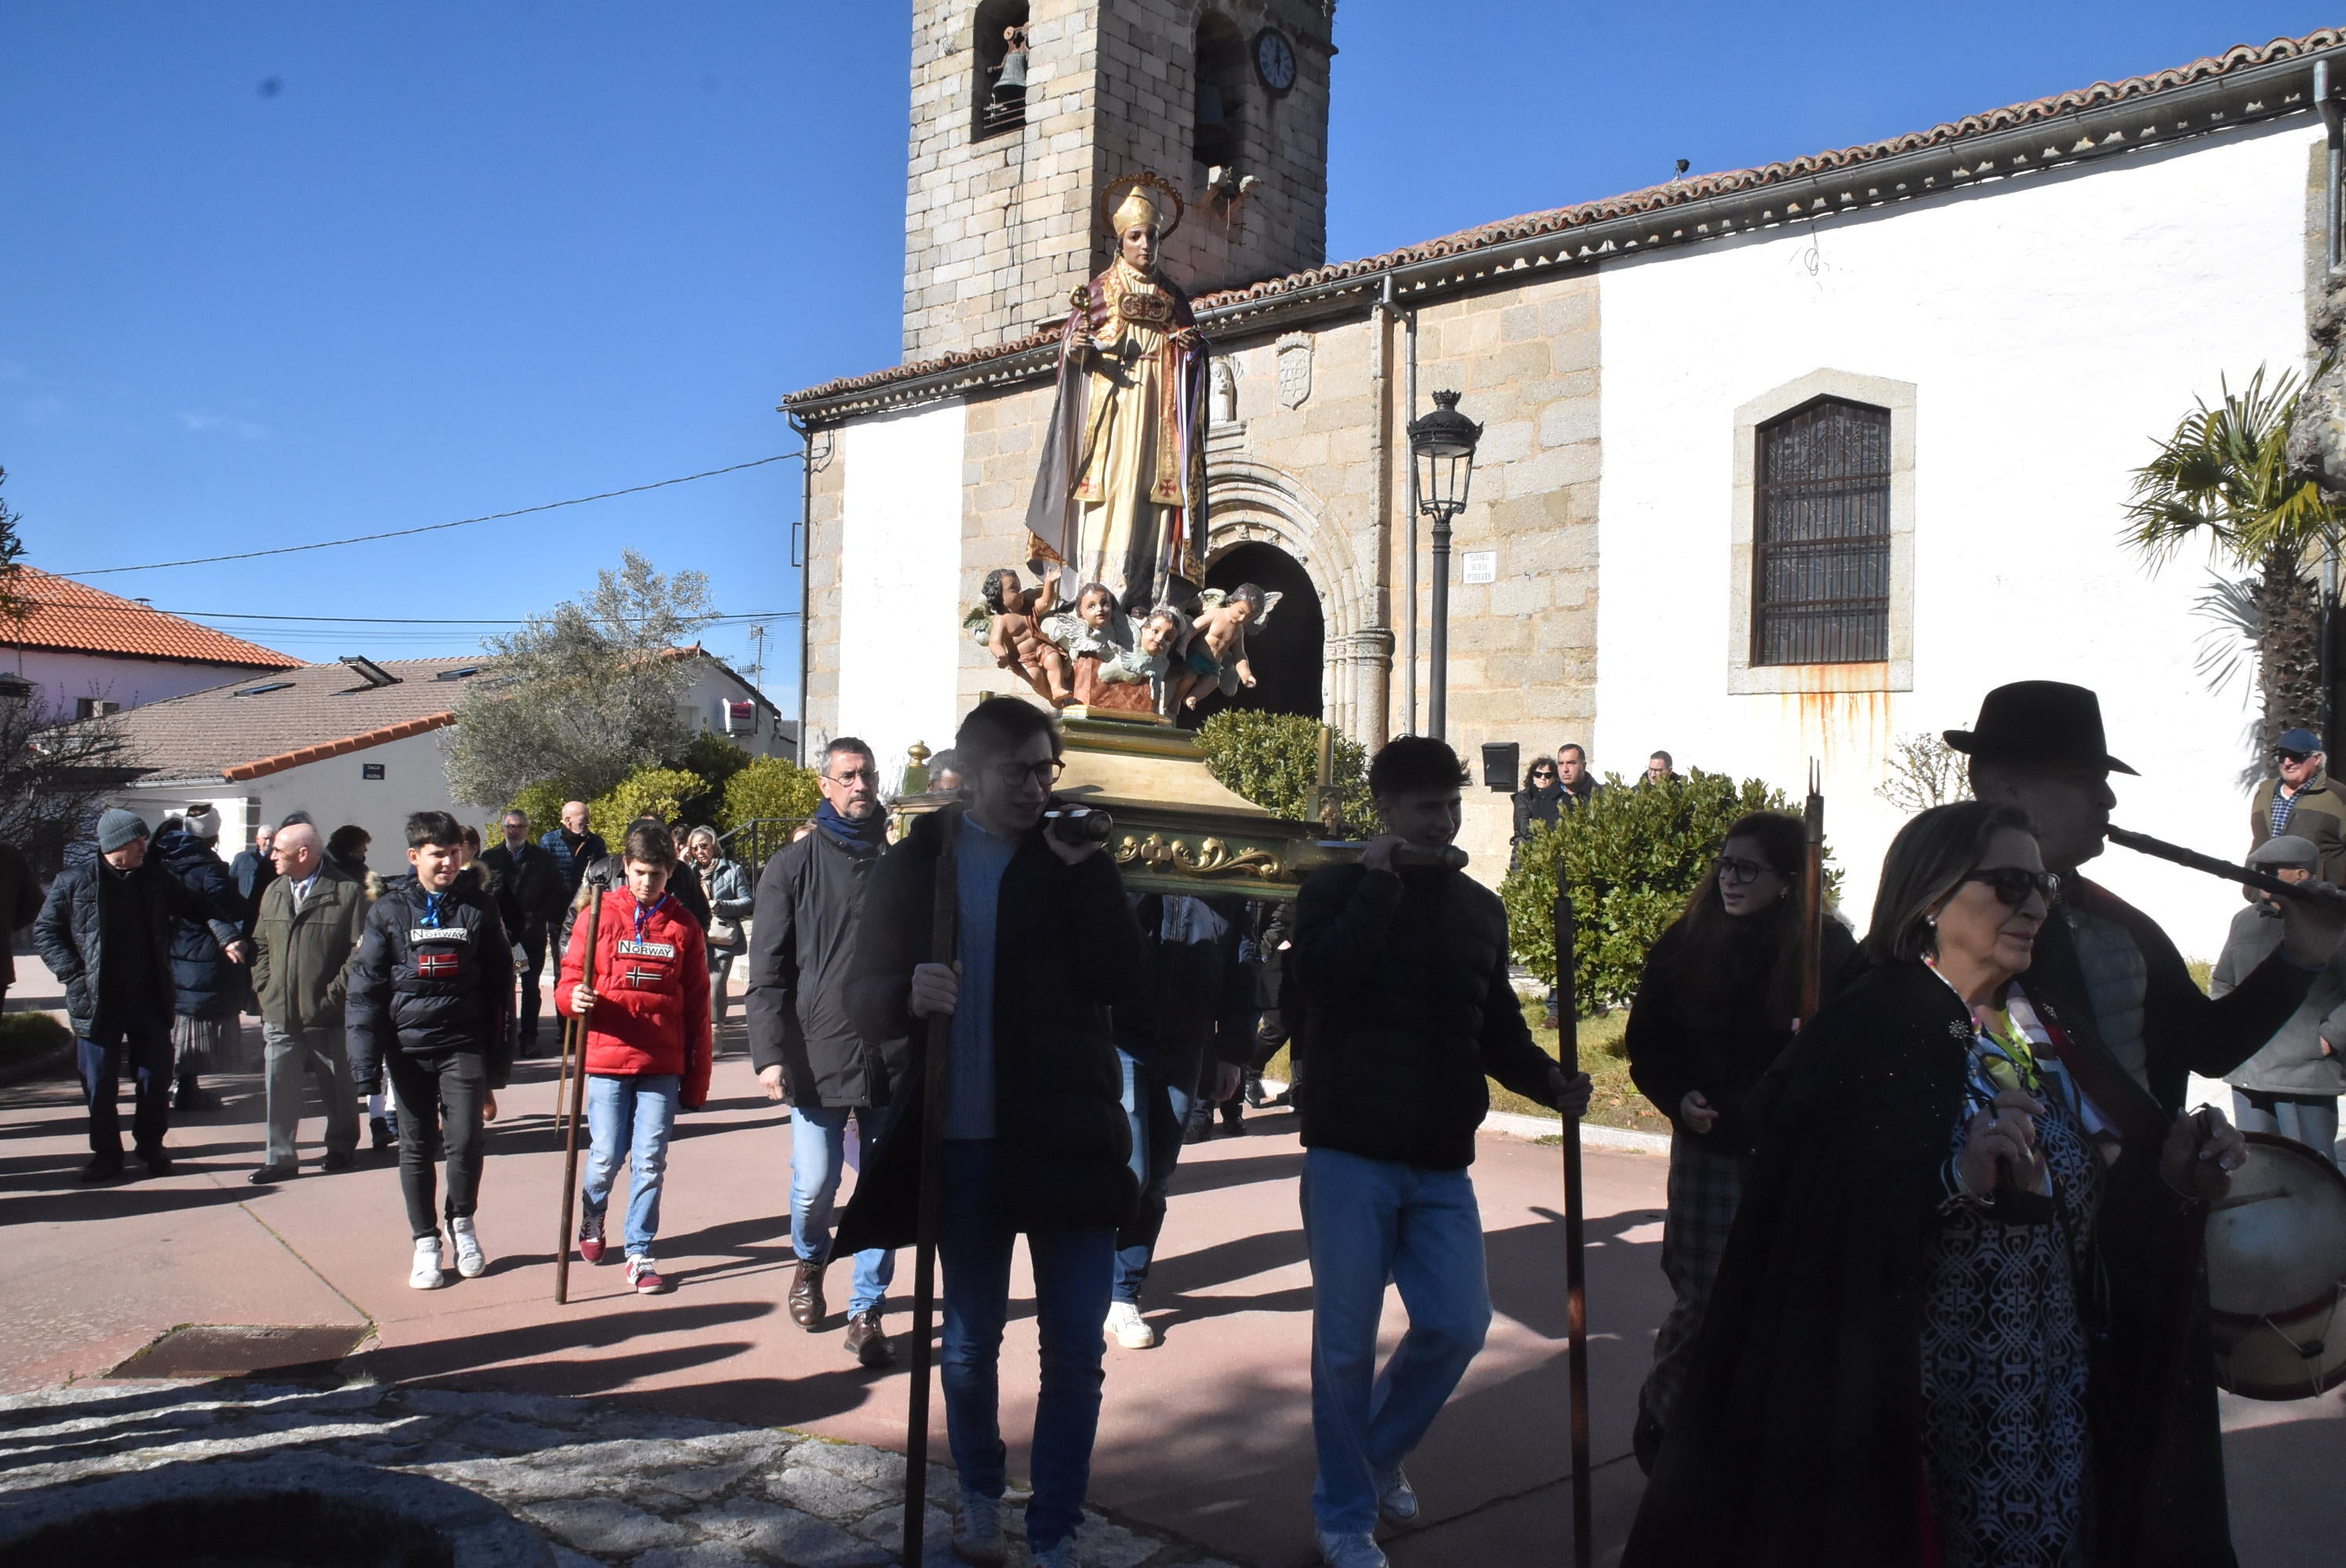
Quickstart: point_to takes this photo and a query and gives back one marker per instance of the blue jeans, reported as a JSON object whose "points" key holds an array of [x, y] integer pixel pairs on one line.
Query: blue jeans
{"points": [[144, 1044], [2308, 1119], [1366, 1222], [1072, 1263], [1136, 1242], [818, 1153], [630, 1116]]}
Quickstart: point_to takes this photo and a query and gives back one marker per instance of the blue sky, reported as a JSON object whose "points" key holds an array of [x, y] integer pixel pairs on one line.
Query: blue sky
{"points": [[280, 272]]}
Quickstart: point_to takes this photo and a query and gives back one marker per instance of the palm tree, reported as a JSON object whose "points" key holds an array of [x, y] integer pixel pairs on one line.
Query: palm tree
{"points": [[2224, 475]]}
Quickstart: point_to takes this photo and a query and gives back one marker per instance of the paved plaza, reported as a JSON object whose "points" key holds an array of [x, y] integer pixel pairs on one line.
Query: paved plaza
{"points": [[704, 1427]]}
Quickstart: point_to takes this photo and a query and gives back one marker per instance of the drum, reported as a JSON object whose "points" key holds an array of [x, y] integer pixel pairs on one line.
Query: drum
{"points": [[2276, 1273]]}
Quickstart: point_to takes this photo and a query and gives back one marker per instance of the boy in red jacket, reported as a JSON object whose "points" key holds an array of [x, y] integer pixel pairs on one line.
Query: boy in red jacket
{"points": [[646, 1010]]}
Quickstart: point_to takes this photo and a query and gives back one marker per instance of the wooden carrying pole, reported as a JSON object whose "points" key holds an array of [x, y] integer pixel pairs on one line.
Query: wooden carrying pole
{"points": [[936, 1087], [1575, 1271], [1812, 900], [572, 1089]]}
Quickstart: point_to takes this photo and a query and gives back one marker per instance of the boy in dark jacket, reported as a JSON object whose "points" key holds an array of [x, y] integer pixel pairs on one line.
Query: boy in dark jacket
{"points": [[1035, 1135], [1403, 974], [431, 991], [106, 932]]}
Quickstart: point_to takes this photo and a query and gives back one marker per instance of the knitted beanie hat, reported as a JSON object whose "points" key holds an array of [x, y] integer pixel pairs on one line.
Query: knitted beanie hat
{"points": [[117, 827], [203, 822]]}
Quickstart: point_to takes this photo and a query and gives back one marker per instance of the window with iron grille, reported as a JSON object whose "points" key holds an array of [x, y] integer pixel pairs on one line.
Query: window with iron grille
{"points": [[1820, 541]]}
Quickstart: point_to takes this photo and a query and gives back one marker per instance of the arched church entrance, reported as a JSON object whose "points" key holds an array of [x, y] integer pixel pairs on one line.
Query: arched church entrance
{"points": [[1287, 650]]}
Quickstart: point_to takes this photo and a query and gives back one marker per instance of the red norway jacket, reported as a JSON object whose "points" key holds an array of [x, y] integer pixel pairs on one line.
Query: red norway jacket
{"points": [[651, 989]]}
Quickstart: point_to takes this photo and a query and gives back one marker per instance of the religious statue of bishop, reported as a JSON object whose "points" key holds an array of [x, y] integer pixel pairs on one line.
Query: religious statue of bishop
{"points": [[1120, 498]]}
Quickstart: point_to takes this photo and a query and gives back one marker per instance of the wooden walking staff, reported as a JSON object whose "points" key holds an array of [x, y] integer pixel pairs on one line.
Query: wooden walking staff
{"points": [[936, 1087], [1576, 1270], [1812, 898], [572, 1088]]}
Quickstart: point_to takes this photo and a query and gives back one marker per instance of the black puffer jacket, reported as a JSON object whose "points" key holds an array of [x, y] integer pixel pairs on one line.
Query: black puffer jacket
{"points": [[1066, 949], [1407, 1006], [809, 901], [70, 930], [421, 985], [210, 983]]}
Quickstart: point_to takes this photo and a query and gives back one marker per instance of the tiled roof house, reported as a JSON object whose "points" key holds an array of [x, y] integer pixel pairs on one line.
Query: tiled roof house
{"points": [[88, 651]]}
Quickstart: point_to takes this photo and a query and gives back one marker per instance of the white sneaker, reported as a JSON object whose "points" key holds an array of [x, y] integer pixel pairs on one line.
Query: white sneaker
{"points": [[469, 1259], [426, 1275], [1127, 1327], [1350, 1548], [977, 1533], [1396, 1498]]}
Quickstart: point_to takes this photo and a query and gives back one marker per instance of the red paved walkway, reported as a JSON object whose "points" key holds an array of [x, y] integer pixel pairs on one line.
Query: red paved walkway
{"points": [[1207, 1435]]}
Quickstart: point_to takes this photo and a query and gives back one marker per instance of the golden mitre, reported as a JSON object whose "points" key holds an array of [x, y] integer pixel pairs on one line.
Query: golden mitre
{"points": [[1138, 198]]}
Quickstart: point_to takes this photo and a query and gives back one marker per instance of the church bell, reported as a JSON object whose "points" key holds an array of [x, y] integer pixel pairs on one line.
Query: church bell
{"points": [[1012, 82]]}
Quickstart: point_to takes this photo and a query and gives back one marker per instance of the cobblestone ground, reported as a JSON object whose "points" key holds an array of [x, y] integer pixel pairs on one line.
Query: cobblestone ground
{"points": [[603, 1485]]}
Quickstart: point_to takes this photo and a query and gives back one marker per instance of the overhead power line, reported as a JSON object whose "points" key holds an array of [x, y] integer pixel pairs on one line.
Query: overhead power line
{"points": [[436, 527]]}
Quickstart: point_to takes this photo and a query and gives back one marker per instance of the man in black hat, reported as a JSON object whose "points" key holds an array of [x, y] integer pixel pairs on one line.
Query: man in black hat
{"points": [[2302, 801], [2128, 1026]]}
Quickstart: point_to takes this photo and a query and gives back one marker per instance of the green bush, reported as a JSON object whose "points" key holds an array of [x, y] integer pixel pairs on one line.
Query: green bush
{"points": [[768, 787], [658, 792], [1633, 857], [1273, 759], [25, 1035], [715, 759]]}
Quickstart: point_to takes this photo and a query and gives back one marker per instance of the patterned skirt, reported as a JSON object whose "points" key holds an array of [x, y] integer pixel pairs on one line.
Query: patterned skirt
{"points": [[2005, 1442], [1705, 1186]]}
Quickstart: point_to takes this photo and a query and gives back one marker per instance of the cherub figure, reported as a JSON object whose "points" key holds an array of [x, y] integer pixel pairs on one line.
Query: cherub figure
{"points": [[1214, 650], [1010, 625], [1135, 678], [1097, 627]]}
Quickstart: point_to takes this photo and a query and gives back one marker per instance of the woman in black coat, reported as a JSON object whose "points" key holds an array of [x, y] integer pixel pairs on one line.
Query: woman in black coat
{"points": [[1714, 1009], [1541, 799], [1904, 1359]]}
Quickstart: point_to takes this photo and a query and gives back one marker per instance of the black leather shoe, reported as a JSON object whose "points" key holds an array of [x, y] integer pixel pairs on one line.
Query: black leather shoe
{"points": [[268, 1174], [340, 1162], [158, 1163], [1254, 1094], [807, 1306], [867, 1343], [192, 1095], [102, 1167], [379, 1131]]}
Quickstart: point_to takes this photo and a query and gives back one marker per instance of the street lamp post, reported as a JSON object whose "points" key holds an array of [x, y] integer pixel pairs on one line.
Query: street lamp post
{"points": [[1441, 444]]}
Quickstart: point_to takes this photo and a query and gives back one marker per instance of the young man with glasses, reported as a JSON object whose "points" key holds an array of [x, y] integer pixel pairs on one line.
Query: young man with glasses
{"points": [[802, 1042], [1036, 1137], [2303, 801]]}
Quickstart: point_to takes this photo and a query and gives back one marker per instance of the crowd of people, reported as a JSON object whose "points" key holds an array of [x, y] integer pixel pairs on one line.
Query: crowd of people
{"points": [[1924, 1243]]}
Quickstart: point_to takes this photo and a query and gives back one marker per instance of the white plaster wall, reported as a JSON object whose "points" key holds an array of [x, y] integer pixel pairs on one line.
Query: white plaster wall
{"points": [[900, 570], [66, 678], [713, 684], [333, 791], [2053, 327]]}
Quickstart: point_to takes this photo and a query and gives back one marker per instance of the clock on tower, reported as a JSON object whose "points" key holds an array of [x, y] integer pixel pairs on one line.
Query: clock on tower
{"points": [[1274, 59]]}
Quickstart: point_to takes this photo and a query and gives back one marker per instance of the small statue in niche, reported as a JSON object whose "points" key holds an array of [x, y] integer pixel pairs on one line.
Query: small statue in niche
{"points": [[1214, 650], [1009, 625]]}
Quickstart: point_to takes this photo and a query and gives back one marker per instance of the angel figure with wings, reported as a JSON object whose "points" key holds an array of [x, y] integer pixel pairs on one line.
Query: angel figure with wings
{"points": [[1214, 653], [1010, 626]]}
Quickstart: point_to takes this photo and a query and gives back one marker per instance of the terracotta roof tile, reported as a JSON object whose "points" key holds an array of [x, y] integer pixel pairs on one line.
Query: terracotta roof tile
{"points": [[1653, 199], [274, 721], [79, 618]]}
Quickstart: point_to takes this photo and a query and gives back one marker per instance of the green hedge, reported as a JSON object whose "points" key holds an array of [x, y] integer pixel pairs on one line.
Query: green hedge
{"points": [[1273, 759], [1633, 857]]}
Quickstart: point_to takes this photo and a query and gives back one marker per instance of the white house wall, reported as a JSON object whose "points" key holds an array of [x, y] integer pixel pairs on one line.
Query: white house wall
{"points": [[2051, 327], [900, 593], [64, 678]]}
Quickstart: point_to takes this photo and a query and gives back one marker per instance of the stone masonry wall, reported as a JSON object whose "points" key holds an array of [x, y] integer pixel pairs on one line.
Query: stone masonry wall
{"points": [[998, 230]]}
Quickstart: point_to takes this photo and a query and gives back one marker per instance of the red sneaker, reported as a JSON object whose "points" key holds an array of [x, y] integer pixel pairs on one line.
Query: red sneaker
{"points": [[646, 1276], [590, 1239]]}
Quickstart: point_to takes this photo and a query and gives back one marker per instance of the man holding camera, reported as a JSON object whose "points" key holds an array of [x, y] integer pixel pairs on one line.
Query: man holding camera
{"points": [[1036, 1140]]}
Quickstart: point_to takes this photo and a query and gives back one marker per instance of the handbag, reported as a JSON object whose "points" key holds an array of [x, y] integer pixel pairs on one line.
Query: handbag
{"points": [[724, 933]]}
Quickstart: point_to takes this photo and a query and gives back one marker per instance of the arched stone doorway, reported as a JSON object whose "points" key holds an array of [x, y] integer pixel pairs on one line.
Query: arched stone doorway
{"points": [[1289, 651]]}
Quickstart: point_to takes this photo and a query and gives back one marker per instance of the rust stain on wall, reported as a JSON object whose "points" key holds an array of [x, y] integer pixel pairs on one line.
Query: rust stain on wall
{"points": [[1841, 727]]}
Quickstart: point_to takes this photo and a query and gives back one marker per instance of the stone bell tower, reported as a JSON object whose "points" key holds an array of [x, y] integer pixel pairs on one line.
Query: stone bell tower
{"points": [[1011, 148]]}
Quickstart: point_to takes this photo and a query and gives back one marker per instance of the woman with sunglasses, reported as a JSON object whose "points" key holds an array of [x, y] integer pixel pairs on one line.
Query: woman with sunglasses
{"points": [[1714, 1009], [1539, 800], [1899, 1361]]}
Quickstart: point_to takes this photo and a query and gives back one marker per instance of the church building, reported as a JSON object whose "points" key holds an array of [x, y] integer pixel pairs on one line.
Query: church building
{"points": [[1781, 464]]}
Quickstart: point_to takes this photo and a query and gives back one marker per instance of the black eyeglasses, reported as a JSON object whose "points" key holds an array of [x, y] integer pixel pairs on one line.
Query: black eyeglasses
{"points": [[1543, 772], [1016, 773], [1740, 873], [2012, 884], [2281, 754]]}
